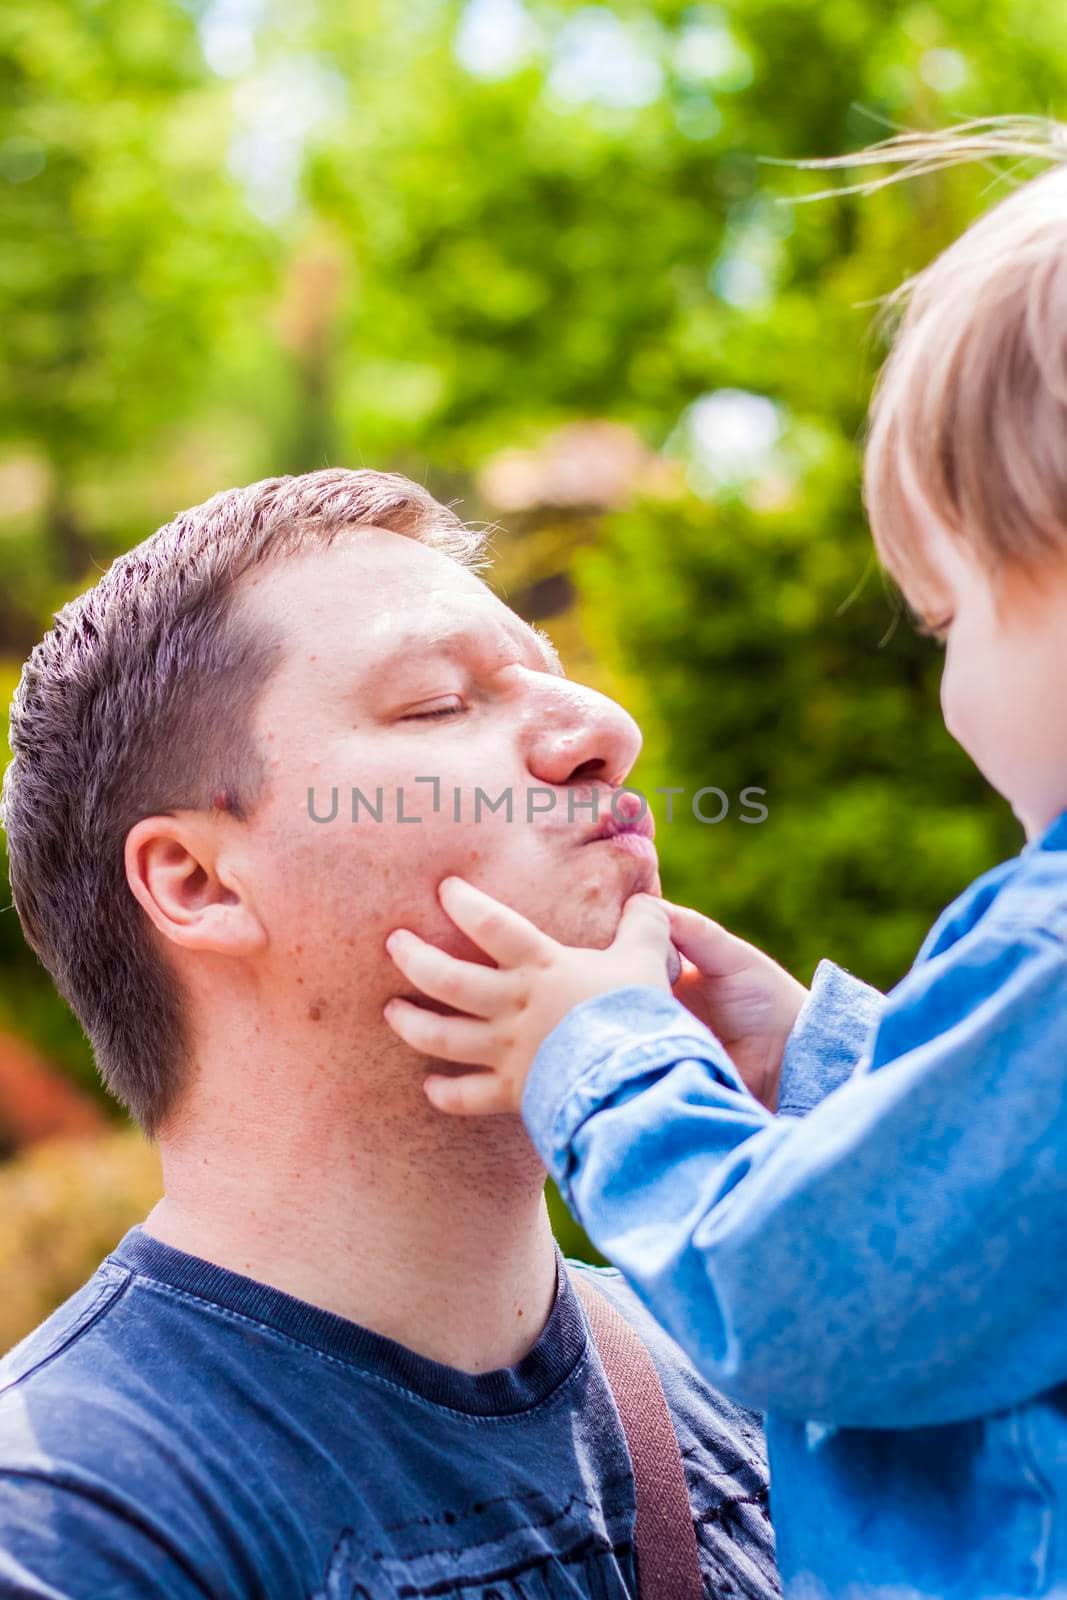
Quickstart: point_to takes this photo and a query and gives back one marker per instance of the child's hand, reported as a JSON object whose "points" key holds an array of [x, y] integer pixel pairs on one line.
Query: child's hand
{"points": [[511, 1007], [747, 1000]]}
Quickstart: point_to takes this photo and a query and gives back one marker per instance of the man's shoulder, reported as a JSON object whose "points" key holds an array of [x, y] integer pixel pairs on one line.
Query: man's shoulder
{"points": [[99, 1381], [38, 1359], [97, 1495], [704, 1418], [123, 1460], [722, 1448], [83, 1400], [675, 1369]]}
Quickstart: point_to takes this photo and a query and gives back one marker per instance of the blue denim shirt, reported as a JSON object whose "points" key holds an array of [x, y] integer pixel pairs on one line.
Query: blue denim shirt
{"points": [[886, 1276]]}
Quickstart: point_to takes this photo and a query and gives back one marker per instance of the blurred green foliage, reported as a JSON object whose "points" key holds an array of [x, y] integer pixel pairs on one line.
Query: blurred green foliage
{"points": [[243, 237], [64, 1204]]}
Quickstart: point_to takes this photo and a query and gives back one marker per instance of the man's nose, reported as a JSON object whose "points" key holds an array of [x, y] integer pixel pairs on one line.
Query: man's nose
{"points": [[576, 735]]}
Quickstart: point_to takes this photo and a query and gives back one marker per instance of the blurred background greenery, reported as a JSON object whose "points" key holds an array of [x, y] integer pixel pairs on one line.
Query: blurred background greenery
{"points": [[528, 252]]}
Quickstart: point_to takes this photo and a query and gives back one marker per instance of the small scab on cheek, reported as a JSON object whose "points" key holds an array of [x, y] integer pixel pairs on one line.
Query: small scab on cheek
{"points": [[315, 1011]]}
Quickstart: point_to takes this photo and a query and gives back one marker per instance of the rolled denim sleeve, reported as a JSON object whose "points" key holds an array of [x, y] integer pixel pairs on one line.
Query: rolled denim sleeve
{"points": [[892, 1259], [834, 1028]]}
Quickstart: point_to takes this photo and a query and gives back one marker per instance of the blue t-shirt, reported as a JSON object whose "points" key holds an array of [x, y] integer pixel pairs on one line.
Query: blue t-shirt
{"points": [[177, 1429]]}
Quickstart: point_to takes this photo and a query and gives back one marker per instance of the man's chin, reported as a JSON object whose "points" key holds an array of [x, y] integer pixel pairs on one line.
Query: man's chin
{"points": [[586, 913], [633, 874]]}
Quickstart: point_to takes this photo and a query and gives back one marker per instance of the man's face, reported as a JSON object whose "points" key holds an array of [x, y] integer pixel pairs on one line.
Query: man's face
{"points": [[402, 665]]}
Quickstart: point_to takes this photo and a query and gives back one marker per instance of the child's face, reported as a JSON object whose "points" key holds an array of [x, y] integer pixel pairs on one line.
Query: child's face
{"points": [[1004, 687]]}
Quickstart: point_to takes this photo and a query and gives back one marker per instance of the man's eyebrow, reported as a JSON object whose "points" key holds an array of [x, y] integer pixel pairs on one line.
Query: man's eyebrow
{"points": [[414, 643]]}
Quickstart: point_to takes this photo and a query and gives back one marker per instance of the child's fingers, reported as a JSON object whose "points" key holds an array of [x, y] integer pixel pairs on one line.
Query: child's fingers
{"points": [[475, 1094], [705, 943], [449, 1038], [688, 970], [495, 928], [645, 926], [463, 984]]}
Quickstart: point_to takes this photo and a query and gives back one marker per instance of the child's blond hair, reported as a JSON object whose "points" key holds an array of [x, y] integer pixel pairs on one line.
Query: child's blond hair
{"points": [[968, 425]]}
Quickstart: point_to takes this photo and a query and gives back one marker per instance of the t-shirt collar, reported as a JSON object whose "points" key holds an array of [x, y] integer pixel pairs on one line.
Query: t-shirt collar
{"points": [[505, 1391]]}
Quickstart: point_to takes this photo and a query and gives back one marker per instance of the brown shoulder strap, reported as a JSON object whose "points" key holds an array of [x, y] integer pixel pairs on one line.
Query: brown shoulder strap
{"points": [[668, 1567]]}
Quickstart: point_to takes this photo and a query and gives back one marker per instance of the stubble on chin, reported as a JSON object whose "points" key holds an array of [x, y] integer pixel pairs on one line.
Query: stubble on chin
{"points": [[588, 907]]}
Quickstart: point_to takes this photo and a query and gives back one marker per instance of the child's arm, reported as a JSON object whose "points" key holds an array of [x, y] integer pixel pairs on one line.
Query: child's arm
{"points": [[894, 1259]]}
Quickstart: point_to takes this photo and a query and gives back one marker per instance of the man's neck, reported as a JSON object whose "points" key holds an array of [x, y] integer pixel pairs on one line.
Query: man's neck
{"points": [[432, 1232]]}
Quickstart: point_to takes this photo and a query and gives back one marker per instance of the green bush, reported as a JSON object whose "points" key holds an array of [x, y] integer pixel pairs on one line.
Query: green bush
{"points": [[64, 1205]]}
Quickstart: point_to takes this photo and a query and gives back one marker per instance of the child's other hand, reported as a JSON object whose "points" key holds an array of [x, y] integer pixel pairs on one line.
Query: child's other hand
{"points": [[511, 1007], [747, 1000]]}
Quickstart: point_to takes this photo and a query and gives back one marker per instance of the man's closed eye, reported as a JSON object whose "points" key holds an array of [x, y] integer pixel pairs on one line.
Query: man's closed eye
{"points": [[438, 711]]}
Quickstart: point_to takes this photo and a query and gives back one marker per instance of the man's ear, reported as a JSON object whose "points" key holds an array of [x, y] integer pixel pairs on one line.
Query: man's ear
{"points": [[176, 869]]}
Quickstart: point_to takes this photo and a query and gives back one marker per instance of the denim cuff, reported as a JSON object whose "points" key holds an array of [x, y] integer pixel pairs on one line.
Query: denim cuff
{"points": [[835, 1025], [601, 1045]]}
